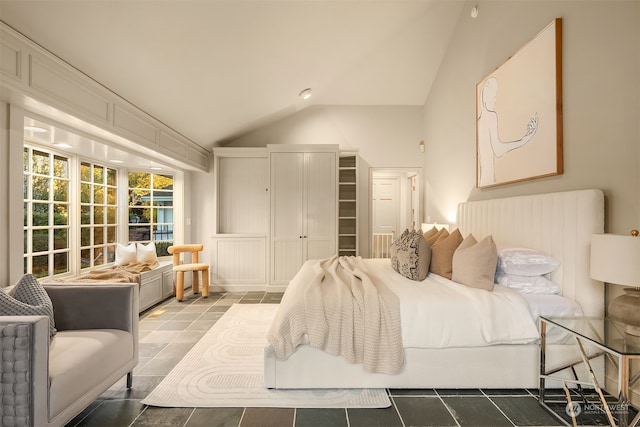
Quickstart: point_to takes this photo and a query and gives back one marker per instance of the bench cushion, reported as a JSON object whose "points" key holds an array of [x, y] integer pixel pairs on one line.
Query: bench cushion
{"points": [[80, 360]]}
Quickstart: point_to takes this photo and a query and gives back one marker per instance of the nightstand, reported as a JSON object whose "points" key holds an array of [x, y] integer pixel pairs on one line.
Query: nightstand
{"points": [[601, 337]]}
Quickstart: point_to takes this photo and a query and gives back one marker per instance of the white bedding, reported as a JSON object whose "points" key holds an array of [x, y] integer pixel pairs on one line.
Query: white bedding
{"points": [[439, 313]]}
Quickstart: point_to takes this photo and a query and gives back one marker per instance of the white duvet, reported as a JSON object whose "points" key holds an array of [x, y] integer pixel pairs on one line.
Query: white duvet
{"points": [[439, 313]]}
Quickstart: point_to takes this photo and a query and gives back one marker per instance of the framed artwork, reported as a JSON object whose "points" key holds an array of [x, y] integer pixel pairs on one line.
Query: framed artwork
{"points": [[519, 114]]}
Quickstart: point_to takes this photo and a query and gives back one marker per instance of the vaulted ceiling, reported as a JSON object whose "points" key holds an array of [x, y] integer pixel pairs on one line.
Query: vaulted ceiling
{"points": [[213, 70]]}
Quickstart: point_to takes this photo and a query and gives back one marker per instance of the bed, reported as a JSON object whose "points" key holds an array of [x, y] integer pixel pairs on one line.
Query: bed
{"points": [[559, 224]]}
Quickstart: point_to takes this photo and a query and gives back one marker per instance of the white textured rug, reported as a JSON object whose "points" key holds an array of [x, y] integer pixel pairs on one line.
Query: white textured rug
{"points": [[225, 369]]}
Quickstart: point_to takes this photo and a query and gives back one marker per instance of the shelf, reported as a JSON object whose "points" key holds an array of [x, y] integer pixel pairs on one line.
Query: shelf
{"points": [[347, 206]]}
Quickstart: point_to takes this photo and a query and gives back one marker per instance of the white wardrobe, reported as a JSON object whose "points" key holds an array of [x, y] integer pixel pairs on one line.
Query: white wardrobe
{"points": [[276, 208], [303, 210]]}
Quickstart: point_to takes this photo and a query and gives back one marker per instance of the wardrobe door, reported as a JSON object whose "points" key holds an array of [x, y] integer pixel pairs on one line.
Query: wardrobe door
{"points": [[320, 217], [287, 217]]}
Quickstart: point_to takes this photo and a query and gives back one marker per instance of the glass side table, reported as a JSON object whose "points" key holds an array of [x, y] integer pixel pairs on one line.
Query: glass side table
{"points": [[604, 337]]}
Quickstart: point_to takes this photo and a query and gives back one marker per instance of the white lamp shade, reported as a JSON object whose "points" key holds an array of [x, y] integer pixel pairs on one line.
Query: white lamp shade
{"points": [[615, 259]]}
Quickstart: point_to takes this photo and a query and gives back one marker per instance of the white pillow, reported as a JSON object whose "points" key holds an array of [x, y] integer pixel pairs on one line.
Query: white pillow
{"points": [[125, 255], [527, 284], [525, 262], [147, 253]]}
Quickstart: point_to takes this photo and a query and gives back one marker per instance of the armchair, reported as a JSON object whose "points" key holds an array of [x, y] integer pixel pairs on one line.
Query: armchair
{"points": [[47, 382]]}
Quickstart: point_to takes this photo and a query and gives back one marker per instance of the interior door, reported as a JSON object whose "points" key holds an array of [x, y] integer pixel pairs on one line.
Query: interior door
{"points": [[287, 172], [386, 214], [319, 237]]}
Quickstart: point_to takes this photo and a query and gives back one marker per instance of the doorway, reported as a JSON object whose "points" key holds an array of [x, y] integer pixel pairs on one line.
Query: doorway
{"points": [[394, 205]]}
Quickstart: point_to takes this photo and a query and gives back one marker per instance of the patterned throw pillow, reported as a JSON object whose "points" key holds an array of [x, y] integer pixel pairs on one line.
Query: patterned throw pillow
{"points": [[27, 298], [411, 255]]}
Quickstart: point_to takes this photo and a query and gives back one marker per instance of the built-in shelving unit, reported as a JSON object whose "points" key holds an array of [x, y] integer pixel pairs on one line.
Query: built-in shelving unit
{"points": [[348, 205]]}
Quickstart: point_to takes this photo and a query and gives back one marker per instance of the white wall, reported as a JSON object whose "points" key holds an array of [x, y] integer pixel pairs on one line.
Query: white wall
{"points": [[601, 79]]}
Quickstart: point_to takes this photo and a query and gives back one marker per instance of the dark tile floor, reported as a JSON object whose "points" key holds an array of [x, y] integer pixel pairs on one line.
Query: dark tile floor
{"points": [[169, 330]]}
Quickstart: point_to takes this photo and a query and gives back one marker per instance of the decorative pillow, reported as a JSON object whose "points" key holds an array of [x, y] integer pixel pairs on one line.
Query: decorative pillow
{"points": [[438, 234], [442, 252], [525, 262], [147, 253], [27, 298], [430, 232], [412, 256], [528, 284], [474, 264], [126, 255]]}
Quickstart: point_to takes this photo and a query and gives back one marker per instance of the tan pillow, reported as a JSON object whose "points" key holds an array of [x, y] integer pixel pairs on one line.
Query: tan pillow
{"points": [[430, 232], [442, 253], [474, 263], [434, 238]]}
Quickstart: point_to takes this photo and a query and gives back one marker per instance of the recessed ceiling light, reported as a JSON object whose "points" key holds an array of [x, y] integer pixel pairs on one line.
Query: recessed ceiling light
{"points": [[62, 145], [305, 94], [155, 168], [117, 161], [36, 129]]}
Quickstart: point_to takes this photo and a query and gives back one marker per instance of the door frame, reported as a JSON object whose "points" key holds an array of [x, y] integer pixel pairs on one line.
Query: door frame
{"points": [[404, 171]]}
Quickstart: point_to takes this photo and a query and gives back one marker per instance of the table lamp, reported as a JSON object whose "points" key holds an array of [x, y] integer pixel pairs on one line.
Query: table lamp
{"points": [[616, 259]]}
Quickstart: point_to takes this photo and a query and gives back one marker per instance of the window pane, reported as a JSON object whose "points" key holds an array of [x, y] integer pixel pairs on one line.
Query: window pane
{"points": [[60, 166], [85, 172], [60, 190], [98, 258], [139, 215], [162, 181], [111, 234], [40, 241], [60, 238], [98, 235], [112, 177], [139, 180], [139, 233], [60, 215], [25, 239], [98, 215], [85, 214], [112, 215], [40, 190], [112, 196], [40, 265], [163, 198], [26, 214], [60, 263], [163, 232], [25, 159], [85, 193], [85, 236], [98, 174], [85, 258], [111, 253], [161, 248], [98, 194], [40, 215], [40, 163], [25, 187]]}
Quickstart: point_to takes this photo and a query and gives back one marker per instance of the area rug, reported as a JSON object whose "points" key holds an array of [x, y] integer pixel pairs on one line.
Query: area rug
{"points": [[225, 369]]}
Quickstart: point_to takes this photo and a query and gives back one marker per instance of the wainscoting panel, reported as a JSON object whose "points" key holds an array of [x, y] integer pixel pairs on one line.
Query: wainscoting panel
{"points": [[239, 262]]}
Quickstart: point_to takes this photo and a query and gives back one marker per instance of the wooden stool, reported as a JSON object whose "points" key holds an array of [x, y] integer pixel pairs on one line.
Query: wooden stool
{"points": [[195, 266]]}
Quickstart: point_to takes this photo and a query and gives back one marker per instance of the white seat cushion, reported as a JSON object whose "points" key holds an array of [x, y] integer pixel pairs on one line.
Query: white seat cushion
{"points": [[80, 360]]}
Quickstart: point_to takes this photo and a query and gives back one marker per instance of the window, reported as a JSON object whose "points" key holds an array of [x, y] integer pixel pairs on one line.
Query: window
{"points": [[46, 212], [151, 209], [98, 214]]}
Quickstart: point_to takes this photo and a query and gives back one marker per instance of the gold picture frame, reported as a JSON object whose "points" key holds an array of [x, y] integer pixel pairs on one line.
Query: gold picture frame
{"points": [[519, 114]]}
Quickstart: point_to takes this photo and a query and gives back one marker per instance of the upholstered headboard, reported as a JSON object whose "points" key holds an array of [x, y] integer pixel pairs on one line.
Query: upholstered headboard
{"points": [[559, 224]]}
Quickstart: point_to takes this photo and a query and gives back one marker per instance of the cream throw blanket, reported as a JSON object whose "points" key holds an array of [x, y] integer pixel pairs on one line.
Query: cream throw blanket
{"points": [[336, 306]]}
